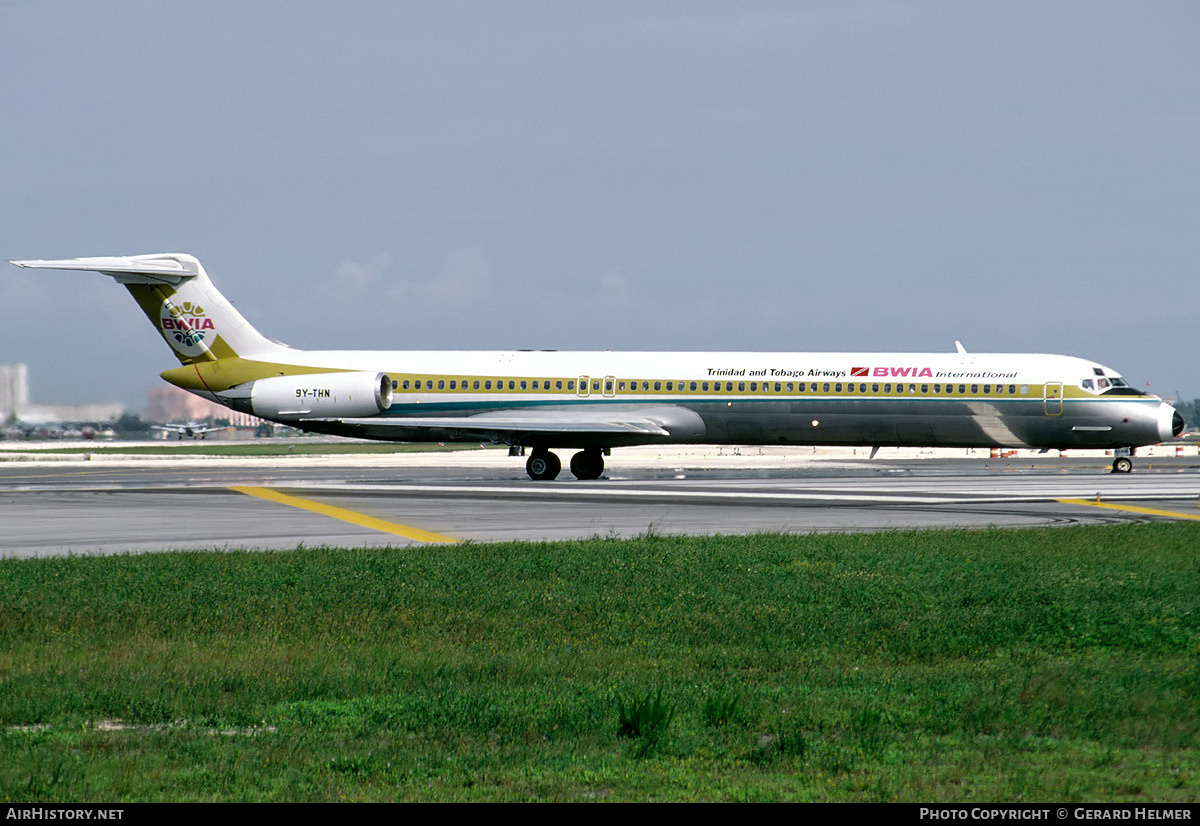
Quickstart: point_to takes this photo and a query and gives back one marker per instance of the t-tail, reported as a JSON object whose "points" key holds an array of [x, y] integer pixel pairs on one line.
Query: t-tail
{"points": [[175, 293]]}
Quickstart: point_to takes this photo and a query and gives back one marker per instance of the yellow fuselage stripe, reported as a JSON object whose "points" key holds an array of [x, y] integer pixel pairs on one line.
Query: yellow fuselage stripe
{"points": [[1131, 508], [345, 515]]}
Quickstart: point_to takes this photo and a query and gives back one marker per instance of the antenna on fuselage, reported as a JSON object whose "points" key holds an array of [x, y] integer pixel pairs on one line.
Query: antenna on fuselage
{"points": [[962, 351]]}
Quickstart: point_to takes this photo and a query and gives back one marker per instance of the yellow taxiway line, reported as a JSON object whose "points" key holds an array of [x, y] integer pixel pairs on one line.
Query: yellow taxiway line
{"points": [[1092, 503], [345, 515]]}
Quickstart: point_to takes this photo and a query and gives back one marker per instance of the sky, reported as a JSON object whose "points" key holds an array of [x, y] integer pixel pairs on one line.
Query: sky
{"points": [[745, 176]]}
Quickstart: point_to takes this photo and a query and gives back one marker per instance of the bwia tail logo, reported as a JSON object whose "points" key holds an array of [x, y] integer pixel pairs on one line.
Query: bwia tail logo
{"points": [[185, 327]]}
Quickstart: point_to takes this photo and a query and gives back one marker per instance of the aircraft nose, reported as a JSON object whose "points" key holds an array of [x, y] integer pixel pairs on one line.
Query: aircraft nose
{"points": [[1170, 422]]}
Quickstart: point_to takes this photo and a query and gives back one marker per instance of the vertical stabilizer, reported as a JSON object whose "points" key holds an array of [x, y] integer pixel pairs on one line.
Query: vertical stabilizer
{"points": [[181, 302]]}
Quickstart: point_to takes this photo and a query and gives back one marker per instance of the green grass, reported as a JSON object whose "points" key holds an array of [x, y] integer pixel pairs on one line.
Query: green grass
{"points": [[1034, 665]]}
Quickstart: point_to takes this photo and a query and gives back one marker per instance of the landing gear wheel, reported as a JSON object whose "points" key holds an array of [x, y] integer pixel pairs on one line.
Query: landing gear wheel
{"points": [[587, 464], [543, 465], [1122, 464]]}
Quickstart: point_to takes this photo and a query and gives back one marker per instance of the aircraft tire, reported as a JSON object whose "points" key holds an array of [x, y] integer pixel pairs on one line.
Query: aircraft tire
{"points": [[587, 464], [543, 465], [1122, 464]]}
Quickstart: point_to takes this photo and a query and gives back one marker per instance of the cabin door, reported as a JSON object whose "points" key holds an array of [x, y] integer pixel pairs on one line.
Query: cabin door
{"points": [[1053, 399]]}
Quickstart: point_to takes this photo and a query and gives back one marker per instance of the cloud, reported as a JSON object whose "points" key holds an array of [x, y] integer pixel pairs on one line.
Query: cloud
{"points": [[614, 291], [370, 291], [356, 276], [465, 278]]}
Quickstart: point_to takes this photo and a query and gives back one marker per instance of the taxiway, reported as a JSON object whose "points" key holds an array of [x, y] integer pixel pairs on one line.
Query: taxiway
{"points": [[111, 505]]}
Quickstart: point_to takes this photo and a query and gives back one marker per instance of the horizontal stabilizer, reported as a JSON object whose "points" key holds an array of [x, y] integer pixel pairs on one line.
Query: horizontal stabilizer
{"points": [[137, 269]]}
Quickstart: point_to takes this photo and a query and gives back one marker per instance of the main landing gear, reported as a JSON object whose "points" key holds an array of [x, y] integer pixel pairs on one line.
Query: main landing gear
{"points": [[544, 465]]}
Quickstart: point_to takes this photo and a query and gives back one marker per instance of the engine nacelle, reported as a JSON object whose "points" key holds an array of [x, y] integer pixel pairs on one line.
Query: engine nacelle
{"points": [[321, 395]]}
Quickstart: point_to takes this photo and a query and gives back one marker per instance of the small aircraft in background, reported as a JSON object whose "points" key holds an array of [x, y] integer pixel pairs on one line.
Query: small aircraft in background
{"points": [[196, 430]]}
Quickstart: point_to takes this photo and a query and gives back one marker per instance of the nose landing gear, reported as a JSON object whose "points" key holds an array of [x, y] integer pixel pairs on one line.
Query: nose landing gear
{"points": [[1123, 463]]}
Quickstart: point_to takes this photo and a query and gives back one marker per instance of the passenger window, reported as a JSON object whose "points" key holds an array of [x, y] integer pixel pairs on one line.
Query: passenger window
{"points": [[670, 386], [571, 384], [453, 384], [693, 385], [405, 384], [522, 384], [475, 384], [487, 385]]}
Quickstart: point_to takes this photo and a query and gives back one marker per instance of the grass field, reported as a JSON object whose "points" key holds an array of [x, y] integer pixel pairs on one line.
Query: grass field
{"points": [[1035, 665]]}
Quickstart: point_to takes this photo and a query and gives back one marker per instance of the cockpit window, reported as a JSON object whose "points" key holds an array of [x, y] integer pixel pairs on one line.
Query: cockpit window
{"points": [[1103, 383], [1088, 385]]}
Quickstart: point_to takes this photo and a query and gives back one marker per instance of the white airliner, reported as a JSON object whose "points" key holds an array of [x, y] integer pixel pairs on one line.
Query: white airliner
{"points": [[594, 401]]}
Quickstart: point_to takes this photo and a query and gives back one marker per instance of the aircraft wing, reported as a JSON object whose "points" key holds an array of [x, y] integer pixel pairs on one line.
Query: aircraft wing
{"points": [[652, 423]]}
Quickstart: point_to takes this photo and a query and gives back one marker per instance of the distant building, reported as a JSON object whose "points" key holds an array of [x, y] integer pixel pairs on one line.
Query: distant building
{"points": [[14, 390], [15, 404], [170, 404]]}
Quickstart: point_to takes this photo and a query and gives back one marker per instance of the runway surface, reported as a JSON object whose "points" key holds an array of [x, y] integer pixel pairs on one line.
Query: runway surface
{"points": [[113, 505]]}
